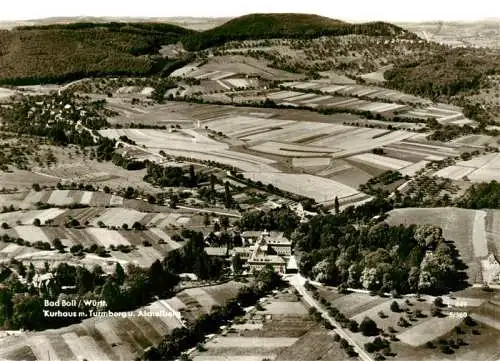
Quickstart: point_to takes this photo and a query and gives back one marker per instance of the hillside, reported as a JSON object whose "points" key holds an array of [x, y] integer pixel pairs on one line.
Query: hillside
{"points": [[56, 53], [465, 77], [267, 26], [444, 74], [64, 52]]}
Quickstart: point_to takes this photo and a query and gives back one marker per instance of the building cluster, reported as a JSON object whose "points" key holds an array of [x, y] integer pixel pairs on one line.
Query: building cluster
{"points": [[260, 249]]}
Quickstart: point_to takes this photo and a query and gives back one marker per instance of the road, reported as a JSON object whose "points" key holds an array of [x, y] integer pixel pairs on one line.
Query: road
{"points": [[297, 282], [66, 86], [210, 211]]}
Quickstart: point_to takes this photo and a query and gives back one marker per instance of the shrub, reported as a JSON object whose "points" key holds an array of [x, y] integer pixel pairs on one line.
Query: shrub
{"points": [[353, 326], [370, 347], [438, 302], [395, 307], [368, 327]]}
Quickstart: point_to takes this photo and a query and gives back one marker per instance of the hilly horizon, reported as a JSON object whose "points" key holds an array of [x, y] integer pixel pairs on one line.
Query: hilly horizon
{"points": [[64, 52]]}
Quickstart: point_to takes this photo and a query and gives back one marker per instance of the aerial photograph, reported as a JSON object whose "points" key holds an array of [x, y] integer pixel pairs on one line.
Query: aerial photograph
{"points": [[250, 181]]}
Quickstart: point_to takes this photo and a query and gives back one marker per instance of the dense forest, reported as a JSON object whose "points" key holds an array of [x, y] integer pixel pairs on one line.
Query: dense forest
{"points": [[60, 53], [444, 74], [290, 26]]}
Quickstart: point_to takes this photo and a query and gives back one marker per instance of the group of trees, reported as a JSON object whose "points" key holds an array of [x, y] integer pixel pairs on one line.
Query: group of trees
{"points": [[445, 74], [23, 303], [192, 258], [378, 185], [55, 117], [173, 176], [482, 195], [376, 256], [280, 219]]}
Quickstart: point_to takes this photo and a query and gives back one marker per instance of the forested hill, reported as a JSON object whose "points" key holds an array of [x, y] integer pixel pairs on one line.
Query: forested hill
{"points": [[58, 53], [303, 26], [64, 52]]}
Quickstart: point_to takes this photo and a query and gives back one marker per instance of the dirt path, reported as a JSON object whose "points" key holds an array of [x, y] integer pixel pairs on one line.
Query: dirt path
{"points": [[479, 241]]}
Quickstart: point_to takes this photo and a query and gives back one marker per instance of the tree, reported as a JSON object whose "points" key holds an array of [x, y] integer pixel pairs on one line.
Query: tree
{"points": [[337, 205], [5, 225], [31, 272], [353, 326], [368, 327], [228, 197], [206, 219], [125, 226], [438, 302], [237, 264], [58, 244], [36, 187], [36, 222], [216, 227], [174, 200], [137, 226], [192, 176], [111, 294], [106, 189], [395, 307], [119, 274], [84, 280], [224, 222]]}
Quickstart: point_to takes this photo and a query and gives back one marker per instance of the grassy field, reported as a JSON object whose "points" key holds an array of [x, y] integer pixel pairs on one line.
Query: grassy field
{"points": [[411, 345]]}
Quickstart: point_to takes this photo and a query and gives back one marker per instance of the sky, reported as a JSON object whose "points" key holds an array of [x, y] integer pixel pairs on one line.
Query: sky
{"points": [[354, 10]]}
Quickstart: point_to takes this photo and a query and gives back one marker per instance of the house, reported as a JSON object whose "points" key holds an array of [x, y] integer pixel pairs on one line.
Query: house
{"points": [[243, 252], [221, 252], [260, 261], [280, 245], [250, 237], [270, 249]]}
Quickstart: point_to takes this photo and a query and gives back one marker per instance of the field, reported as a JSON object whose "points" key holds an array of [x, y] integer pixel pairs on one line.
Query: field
{"points": [[91, 171], [470, 239], [412, 339], [356, 90], [320, 189], [282, 331], [186, 145], [422, 151], [225, 67], [68, 197], [108, 338], [480, 169], [381, 161], [261, 142]]}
